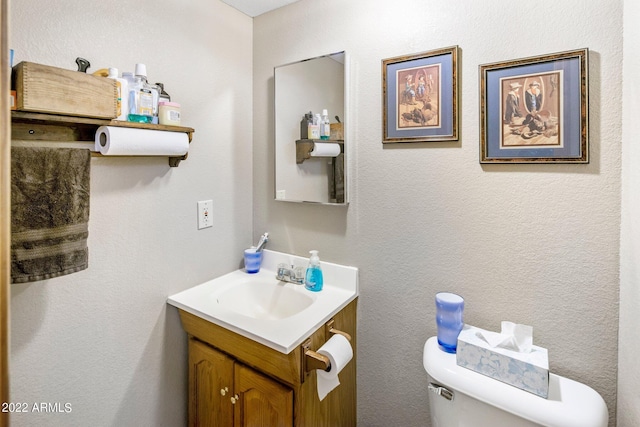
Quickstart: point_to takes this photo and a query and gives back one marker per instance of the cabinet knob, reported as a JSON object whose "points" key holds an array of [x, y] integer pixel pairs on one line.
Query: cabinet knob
{"points": [[234, 399], [224, 391]]}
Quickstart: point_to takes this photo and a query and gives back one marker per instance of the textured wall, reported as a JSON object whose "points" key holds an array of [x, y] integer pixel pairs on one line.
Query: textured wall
{"points": [[628, 368], [104, 339], [535, 244]]}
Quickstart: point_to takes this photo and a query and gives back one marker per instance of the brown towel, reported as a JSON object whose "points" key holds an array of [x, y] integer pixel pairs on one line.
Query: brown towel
{"points": [[336, 179], [49, 212]]}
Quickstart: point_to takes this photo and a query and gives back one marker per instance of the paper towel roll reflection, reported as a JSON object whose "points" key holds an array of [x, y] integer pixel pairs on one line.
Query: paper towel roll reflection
{"points": [[338, 350], [325, 149], [123, 141]]}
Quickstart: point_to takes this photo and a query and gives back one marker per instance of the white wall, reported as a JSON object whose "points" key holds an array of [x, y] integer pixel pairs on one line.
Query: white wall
{"points": [[629, 345], [104, 339], [535, 244]]}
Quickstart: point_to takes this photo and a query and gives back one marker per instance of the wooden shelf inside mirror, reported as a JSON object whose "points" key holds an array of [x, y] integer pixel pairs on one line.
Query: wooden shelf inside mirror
{"points": [[304, 147], [29, 126]]}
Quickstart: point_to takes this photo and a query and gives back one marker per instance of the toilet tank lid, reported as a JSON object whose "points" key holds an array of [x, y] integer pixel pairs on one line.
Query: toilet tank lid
{"points": [[570, 403]]}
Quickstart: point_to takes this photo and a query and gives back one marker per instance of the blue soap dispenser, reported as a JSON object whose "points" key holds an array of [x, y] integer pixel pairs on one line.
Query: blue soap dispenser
{"points": [[313, 279]]}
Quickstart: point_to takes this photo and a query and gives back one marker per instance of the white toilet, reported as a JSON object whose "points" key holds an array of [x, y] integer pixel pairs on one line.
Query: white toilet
{"points": [[460, 397]]}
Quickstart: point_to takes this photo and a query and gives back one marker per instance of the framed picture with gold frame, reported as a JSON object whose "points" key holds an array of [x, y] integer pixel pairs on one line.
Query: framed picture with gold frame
{"points": [[420, 97], [534, 110]]}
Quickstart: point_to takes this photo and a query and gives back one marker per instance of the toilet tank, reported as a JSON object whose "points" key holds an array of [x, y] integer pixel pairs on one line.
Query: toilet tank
{"points": [[460, 397]]}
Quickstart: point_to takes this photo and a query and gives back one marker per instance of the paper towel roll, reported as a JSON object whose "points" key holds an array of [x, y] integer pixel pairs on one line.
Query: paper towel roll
{"points": [[325, 149], [124, 141], [338, 350]]}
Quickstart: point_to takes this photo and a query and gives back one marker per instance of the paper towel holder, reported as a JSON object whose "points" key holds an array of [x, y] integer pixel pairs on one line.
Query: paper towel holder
{"points": [[75, 132], [304, 147]]}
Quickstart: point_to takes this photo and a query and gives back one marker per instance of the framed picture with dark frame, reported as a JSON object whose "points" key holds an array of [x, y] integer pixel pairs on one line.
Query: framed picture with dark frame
{"points": [[534, 110], [420, 97]]}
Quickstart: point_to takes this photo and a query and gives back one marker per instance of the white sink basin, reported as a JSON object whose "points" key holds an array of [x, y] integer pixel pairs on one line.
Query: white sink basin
{"points": [[258, 306], [264, 299]]}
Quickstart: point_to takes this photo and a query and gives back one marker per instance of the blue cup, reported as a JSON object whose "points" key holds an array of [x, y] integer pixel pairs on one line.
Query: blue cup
{"points": [[449, 309], [252, 260]]}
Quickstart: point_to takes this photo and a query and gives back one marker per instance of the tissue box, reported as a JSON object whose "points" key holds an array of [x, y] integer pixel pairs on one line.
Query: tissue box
{"points": [[526, 371]]}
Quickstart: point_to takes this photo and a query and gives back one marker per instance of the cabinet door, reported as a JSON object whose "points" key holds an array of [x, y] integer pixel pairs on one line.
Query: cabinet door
{"points": [[262, 402], [210, 386]]}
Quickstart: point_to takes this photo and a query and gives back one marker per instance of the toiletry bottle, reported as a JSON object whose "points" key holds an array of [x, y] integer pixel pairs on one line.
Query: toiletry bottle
{"points": [[325, 127], [304, 125], [143, 98], [131, 80], [313, 280], [141, 70], [128, 76], [162, 96], [140, 102], [123, 94], [317, 121], [314, 127]]}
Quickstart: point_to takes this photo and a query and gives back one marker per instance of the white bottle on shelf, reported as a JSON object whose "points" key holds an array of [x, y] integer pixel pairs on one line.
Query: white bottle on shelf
{"points": [[123, 94], [325, 127]]}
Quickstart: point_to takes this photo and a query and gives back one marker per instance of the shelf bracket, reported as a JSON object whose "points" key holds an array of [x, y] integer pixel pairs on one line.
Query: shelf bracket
{"points": [[303, 150]]}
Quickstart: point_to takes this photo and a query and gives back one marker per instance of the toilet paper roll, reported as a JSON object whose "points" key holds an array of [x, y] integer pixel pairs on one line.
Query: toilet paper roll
{"points": [[325, 149], [338, 350], [123, 141]]}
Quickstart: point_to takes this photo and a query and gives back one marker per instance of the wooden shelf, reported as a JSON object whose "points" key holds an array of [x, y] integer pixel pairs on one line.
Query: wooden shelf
{"points": [[51, 127]]}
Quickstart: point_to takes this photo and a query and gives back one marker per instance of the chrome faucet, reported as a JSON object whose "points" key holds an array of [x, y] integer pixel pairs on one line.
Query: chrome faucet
{"points": [[291, 274]]}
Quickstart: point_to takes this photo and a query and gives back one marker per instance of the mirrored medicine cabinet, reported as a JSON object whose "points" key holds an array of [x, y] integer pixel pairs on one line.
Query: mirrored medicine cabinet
{"points": [[309, 169]]}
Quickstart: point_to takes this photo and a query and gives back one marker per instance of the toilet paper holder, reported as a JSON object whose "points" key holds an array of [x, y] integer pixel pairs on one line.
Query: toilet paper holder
{"points": [[313, 360], [331, 330]]}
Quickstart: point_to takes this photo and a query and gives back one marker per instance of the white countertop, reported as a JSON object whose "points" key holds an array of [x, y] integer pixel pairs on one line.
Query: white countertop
{"points": [[283, 335]]}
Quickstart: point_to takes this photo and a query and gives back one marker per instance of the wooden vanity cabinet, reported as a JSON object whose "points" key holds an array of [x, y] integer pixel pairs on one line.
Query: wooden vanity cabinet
{"points": [[210, 376], [262, 401], [224, 392], [235, 381]]}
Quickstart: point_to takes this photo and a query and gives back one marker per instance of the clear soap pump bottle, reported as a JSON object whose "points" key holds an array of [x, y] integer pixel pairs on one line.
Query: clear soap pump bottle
{"points": [[313, 279], [143, 98]]}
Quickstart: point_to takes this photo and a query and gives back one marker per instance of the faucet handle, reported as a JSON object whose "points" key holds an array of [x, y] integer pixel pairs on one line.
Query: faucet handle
{"points": [[299, 273], [281, 271]]}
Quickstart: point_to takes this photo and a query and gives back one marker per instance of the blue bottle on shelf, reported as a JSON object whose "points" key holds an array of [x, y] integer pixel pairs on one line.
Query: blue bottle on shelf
{"points": [[313, 279]]}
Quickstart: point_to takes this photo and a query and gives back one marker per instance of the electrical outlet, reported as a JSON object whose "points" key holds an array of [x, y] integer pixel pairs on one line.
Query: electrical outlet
{"points": [[204, 214]]}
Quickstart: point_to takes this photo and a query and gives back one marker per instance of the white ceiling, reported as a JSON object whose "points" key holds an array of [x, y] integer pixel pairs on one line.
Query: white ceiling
{"points": [[254, 8]]}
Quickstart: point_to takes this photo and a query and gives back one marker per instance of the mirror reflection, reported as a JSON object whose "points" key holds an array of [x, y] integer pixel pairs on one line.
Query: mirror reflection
{"points": [[310, 150]]}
